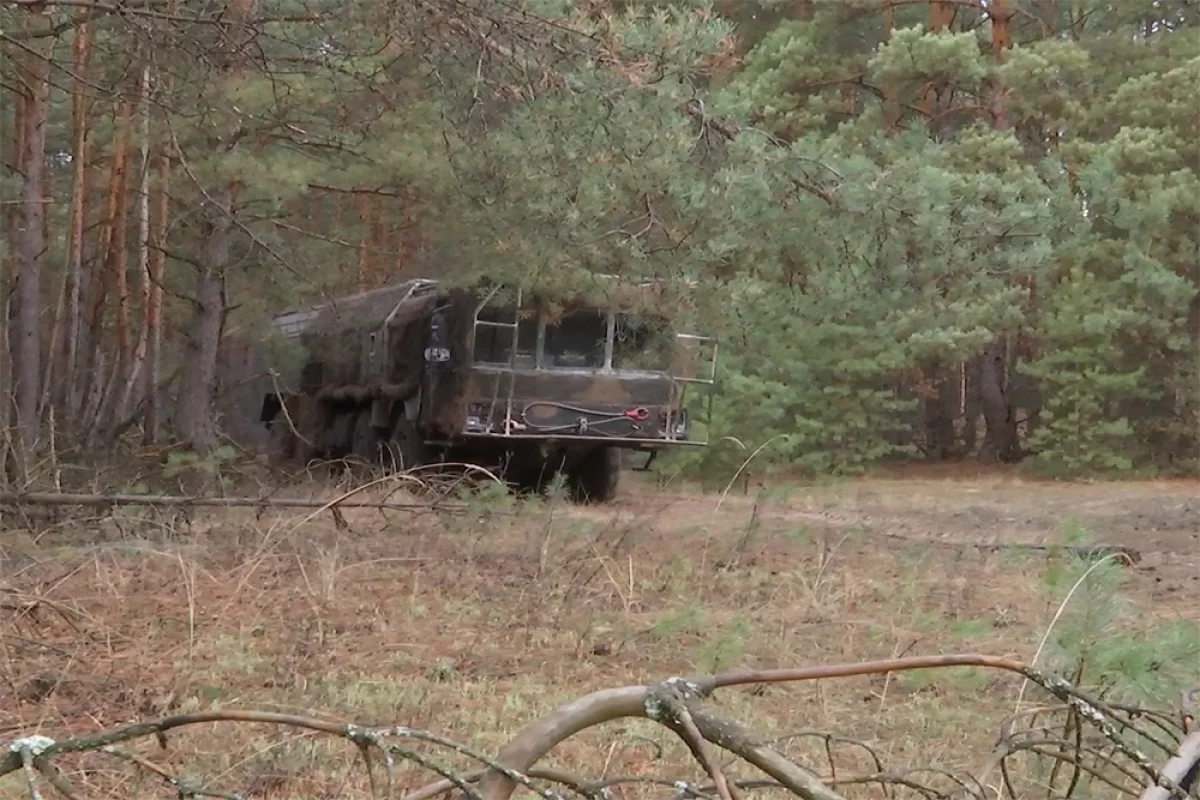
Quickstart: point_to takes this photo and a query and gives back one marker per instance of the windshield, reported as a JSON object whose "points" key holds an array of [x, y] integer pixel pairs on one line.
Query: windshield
{"points": [[577, 340], [493, 344], [642, 342]]}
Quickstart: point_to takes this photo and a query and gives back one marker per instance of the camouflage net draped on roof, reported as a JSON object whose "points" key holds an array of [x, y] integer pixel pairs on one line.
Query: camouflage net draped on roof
{"points": [[401, 303], [395, 306]]}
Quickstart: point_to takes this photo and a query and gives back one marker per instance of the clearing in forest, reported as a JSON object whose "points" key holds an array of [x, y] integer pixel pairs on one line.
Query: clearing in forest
{"points": [[474, 624]]}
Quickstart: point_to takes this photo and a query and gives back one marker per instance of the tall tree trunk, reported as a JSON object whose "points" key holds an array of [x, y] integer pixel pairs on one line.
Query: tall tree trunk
{"points": [[5, 380], [52, 367], [157, 266], [82, 109], [891, 99], [968, 406], [941, 406], [119, 266], [193, 423], [132, 377], [8, 272], [1001, 16], [941, 15], [198, 380], [111, 251], [49, 347], [363, 202], [29, 244], [158, 263], [1001, 438], [64, 391], [1000, 435]]}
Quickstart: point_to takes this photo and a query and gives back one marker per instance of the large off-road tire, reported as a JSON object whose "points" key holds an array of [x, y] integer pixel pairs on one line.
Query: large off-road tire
{"points": [[281, 443], [528, 472], [595, 477], [286, 449], [338, 436], [405, 448], [365, 441]]}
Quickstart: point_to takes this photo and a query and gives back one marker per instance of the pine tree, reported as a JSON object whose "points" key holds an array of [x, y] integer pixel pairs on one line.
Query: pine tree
{"points": [[922, 227]]}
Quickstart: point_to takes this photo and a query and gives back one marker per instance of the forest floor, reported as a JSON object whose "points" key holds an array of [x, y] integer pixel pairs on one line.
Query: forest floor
{"points": [[475, 624]]}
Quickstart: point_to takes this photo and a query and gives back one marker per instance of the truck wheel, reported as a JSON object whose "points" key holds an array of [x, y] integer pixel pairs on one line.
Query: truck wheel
{"points": [[286, 448], [594, 479], [281, 442], [365, 444], [339, 435], [405, 448], [527, 472]]}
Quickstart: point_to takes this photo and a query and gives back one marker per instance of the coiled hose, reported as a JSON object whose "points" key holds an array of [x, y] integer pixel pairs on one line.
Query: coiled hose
{"points": [[583, 424]]}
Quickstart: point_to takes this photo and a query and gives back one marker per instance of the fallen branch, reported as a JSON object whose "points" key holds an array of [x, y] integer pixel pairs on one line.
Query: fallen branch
{"points": [[608, 705], [1129, 555], [637, 701], [674, 703], [741, 742], [1183, 770], [181, 501]]}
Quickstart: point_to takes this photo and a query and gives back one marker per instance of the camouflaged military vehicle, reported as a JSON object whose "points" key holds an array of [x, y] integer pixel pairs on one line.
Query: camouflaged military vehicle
{"points": [[417, 374]]}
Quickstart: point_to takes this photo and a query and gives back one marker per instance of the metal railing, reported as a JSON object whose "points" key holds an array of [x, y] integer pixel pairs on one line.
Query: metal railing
{"points": [[679, 387], [511, 372], [677, 394]]}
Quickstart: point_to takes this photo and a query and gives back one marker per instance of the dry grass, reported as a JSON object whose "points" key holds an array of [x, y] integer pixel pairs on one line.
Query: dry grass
{"points": [[473, 626]]}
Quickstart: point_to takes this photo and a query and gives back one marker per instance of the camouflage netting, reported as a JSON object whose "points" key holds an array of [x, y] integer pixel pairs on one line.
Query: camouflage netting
{"points": [[345, 343], [369, 311], [340, 335]]}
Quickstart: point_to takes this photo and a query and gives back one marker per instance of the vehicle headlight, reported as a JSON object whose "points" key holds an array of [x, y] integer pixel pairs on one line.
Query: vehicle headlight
{"points": [[678, 423], [681, 424]]}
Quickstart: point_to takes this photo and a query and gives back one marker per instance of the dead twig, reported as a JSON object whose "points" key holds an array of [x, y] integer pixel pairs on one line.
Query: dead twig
{"points": [[668, 704], [183, 787]]}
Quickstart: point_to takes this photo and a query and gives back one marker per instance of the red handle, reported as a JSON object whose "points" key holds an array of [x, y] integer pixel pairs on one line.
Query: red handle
{"points": [[640, 414]]}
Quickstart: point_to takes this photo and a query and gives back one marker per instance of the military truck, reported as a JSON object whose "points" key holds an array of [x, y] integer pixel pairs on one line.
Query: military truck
{"points": [[420, 374]]}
